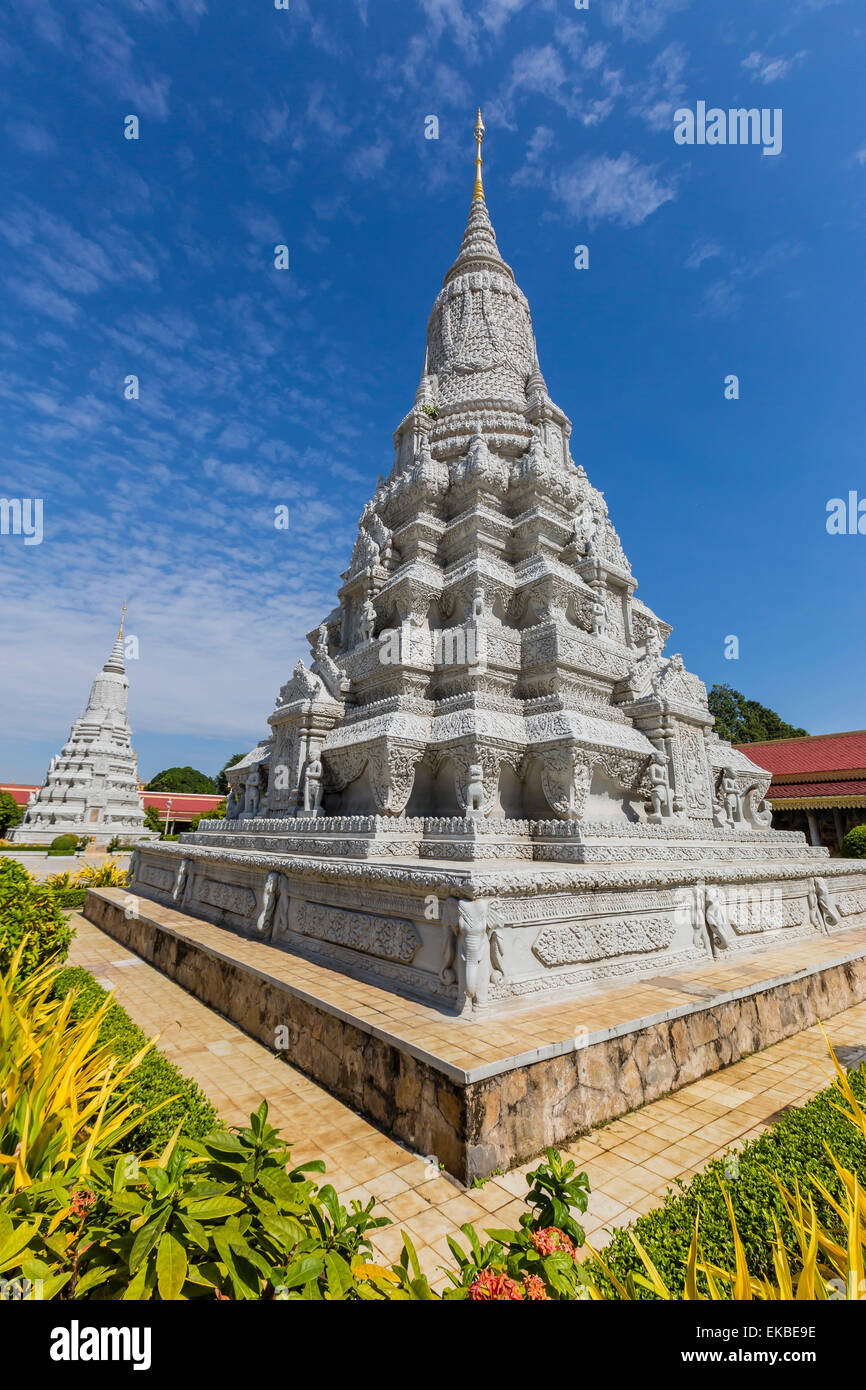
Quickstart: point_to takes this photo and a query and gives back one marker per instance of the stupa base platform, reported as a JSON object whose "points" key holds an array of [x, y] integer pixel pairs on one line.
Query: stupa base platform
{"points": [[478, 1091]]}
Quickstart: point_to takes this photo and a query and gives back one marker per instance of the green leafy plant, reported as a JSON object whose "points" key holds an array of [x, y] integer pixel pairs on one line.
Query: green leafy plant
{"points": [[30, 920], [168, 1098], [181, 779], [63, 1098], [223, 1217], [10, 812], [854, 843], [538, 1261], [746, 721], [820, 1263], [794, 1152]]}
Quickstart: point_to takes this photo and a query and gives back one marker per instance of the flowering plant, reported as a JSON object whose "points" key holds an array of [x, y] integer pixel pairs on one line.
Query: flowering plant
{"points": [[538, 1262]]}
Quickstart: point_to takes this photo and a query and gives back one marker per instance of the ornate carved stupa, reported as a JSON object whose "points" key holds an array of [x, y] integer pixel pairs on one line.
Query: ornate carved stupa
{"points": [[91, 786], [492, 783]]}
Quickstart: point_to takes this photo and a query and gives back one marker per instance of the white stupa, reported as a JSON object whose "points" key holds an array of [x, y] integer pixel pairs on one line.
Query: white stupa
{"points": [[91, 786]]}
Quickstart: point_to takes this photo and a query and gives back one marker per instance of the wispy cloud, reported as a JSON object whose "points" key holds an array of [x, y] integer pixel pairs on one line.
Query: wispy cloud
{"points": [[767, 69], [620, 190], [641, 20], [656, 98], [700, 252], [725, 297]]}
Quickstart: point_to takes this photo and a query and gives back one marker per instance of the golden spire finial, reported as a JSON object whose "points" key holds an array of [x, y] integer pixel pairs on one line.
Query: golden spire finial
{"points": [[122, 617], [478, 190]]}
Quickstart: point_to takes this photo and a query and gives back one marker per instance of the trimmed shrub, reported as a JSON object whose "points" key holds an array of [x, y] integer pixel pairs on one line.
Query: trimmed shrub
{"points": [[63, 844], [30, 909], [154, 1080], [70, 899], [854, 843]]}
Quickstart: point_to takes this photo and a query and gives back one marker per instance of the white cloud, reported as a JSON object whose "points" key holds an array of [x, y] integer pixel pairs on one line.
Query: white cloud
{"points": [[656, 99], [766, 69], [369, 160], [532, 172], [642, 19], [613, 190], [495, 14], [700, 252]]}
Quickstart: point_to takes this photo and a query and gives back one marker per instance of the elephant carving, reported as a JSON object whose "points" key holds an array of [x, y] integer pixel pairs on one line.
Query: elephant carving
{"points": [[472, 948], [716, 917], [823, 913], [183, 882]]}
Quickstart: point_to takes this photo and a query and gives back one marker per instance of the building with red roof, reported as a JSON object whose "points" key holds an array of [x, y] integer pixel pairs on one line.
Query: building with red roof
{"points": [[178, 808], [819, 783]]}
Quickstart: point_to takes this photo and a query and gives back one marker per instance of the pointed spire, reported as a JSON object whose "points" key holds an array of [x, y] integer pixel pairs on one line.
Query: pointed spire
{"points": [[115, 661], [535, 385], [478, 190]]}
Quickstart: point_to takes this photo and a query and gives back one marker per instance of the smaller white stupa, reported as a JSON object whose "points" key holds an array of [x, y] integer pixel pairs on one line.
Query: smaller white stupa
{"points": [[91, 787]]}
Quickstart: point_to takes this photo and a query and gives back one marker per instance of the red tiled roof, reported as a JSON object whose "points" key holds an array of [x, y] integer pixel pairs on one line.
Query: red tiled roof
{"points": [[182, 803], [848, 787], [19, 792], [819, 753]]}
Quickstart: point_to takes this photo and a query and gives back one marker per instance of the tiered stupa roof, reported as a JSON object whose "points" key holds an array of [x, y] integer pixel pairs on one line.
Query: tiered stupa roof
{"points": [[487, 627]]}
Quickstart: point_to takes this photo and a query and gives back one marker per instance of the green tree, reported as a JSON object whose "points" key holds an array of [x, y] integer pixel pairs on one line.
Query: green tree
{"points": [[746, 721], [153, 820], [181, 779], [10, 812], [221, 781]]}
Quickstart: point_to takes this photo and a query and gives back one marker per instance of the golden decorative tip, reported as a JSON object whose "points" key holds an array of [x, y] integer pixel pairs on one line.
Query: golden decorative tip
{"points": [[478, 190], [122, 617]]}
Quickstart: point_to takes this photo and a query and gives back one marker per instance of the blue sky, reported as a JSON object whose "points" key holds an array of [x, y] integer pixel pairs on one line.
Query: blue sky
{"points": [[259, 387]]}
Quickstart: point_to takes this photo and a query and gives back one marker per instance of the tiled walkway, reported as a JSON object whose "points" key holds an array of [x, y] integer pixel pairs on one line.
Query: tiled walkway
{"points": [[630, 1162]]}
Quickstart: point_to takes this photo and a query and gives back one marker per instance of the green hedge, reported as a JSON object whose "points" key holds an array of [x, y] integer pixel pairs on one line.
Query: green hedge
{"points": [[70, 899], [154, 1079], [28, 908], [795, 1149]]}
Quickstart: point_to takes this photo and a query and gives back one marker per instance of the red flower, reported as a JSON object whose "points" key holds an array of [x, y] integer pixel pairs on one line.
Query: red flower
{"points": [[82, 1201], [489, 1285], [550, 1239], [534, 1290]]}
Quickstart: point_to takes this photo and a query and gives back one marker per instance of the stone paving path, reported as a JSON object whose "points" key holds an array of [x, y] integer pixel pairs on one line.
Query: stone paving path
{"points": [[630, 1161]]}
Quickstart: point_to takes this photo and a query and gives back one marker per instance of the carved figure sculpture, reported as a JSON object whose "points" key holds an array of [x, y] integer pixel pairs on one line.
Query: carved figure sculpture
{"points": [[730, 797], [660, 790], [252, 793], [652, 641], [599, 618], [472, 949], [475, 791], [313, 788], [233, 805], [582, 529], [367, 621]]}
